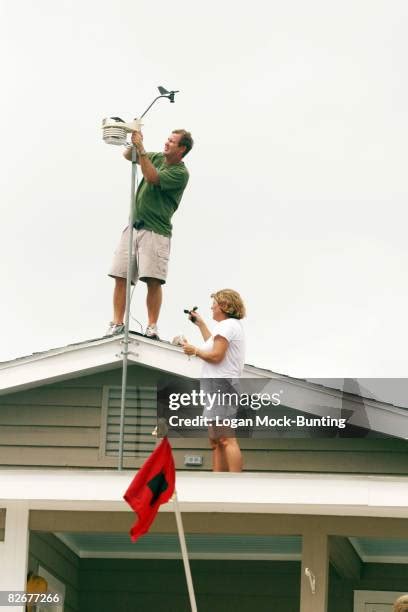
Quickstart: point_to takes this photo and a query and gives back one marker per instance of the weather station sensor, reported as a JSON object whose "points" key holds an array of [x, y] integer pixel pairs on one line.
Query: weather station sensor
{"points": [[115, 129]]}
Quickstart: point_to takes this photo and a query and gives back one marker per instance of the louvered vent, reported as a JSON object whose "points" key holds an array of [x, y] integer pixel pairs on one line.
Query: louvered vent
{"points": [[140, 420]]}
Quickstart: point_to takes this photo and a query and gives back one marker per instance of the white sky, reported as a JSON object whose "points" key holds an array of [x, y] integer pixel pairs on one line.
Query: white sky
{"points": [[298, 187]]}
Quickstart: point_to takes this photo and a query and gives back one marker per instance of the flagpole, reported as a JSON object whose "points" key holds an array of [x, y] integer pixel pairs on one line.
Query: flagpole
{"points": [[161, 431], [184, 553]]}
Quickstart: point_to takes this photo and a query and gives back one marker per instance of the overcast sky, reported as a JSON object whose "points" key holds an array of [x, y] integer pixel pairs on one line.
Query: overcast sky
{"points": [[298, 189]]}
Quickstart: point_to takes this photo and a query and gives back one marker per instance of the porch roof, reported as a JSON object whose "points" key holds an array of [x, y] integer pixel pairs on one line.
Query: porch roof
{"points": [[248, 492]]}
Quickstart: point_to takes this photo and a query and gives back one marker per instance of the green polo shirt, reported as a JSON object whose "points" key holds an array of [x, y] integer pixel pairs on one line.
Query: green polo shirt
{"points": [[156, 204]]}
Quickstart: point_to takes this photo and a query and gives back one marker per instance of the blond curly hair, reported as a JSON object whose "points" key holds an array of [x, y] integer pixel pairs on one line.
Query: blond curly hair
{"points": [[401, 605], [230, 303]]}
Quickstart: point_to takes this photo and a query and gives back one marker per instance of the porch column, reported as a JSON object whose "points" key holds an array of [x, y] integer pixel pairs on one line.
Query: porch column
{"points": [[14, 551], [315, 560]]}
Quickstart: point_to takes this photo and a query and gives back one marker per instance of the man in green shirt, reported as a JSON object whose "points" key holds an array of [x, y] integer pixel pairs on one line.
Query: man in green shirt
{"points": [[158, 197]]}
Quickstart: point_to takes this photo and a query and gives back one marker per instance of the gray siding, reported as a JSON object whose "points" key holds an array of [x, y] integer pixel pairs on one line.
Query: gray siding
{"points": [[49, 552], [62, 425], [51, 425]]}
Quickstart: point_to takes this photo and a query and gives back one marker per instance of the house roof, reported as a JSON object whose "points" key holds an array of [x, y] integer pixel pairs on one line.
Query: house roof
{"points": [[105, 353], [100, 354]]}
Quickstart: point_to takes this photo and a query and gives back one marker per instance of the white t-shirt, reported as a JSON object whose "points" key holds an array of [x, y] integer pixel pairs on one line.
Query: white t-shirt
{"points": [[233, 363]]}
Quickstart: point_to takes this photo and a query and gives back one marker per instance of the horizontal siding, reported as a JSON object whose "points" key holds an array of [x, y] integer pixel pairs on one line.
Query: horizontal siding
{"points": [[307, 444], [271, 460], [44, 456], [48, 416], [61, 425], [280, 460], [23, 435], [51, 395], [136, 375], [328, 461], [53, 425], [49, 552], [360, 456]]}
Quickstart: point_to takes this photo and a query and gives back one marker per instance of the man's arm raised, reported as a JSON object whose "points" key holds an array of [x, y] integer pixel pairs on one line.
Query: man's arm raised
{"points": [[149, 171]]}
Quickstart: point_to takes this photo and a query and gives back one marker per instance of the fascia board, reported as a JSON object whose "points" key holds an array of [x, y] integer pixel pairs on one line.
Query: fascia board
{"points": [[59, 364], [86, 358], [346, 495]]}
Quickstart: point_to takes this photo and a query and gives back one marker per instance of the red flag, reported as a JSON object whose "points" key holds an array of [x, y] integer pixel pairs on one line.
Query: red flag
{"points": [[152, 486]]}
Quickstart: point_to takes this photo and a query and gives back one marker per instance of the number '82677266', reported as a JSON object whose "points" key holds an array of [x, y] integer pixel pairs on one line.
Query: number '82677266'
{"points": [[21, 597]]}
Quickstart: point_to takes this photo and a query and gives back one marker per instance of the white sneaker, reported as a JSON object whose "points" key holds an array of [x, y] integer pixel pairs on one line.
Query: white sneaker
{"points": [[152, 332], [114, 328]]}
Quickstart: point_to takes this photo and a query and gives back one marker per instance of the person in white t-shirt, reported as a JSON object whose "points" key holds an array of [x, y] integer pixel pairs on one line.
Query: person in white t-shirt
{"points": [[223, 354]]}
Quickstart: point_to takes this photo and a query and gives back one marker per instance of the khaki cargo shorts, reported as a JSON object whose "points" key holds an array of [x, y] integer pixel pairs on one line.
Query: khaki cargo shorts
{"points": [[150, 256]]}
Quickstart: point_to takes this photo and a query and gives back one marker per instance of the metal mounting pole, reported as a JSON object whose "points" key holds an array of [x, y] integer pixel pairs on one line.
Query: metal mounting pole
{"points": [[125, 350]]}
